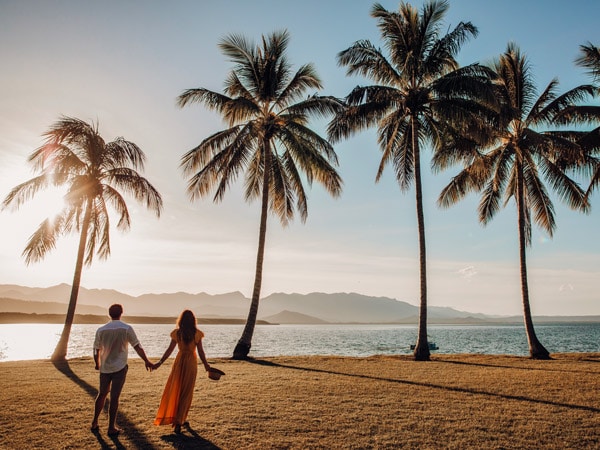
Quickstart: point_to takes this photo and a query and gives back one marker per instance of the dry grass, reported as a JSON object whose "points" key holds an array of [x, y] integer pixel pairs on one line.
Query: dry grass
{"points": [[381, 402]]}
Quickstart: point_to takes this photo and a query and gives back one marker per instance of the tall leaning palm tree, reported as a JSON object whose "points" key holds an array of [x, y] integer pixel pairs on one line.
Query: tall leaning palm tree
{"points": [[268, 137], [421, 95], [522, 156], [95, 174]]}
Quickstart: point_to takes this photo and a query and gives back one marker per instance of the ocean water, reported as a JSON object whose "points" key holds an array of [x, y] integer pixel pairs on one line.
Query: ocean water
{"points": [[37, 341]]}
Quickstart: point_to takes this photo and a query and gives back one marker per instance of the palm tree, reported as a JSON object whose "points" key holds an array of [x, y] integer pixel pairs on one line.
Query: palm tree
{"points": [[421, 95], [518, 161], [268, 137], [75, 156]]}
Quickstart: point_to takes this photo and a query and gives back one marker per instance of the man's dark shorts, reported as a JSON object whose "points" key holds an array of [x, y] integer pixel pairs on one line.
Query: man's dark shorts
{"points": [[117, 379]]}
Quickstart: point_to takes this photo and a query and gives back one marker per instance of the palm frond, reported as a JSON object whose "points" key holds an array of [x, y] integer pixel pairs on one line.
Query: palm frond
{"points": [[578, 115], [515, 81], [132, 183], [98, 236], [212, 100], [253, 180], [294, 181], [362, 58], [490, 203], [552, 112], [281, 196], [305, 78], [471, 179], [238, 49], [499, 163], [123, 153], [537, 197], [43, 240], [303, 142], [402, 159], [313, 155], [25, 191], [594, 181], [116, 200], [365, 108], [200, 155], [317, 106], [566, 188], [441, 58], [589, 58]]}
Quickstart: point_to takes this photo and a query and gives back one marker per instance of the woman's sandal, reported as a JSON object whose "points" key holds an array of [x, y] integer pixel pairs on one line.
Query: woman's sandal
{"points": [[177, 429]]}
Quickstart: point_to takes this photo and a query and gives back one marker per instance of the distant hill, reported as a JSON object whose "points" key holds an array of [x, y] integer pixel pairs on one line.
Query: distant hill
{"points": [[290, 317], [282, 308], [11, 305]]}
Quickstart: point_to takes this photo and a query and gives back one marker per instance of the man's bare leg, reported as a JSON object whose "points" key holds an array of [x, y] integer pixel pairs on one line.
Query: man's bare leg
{"points": [[100, 400], [115, 393]]}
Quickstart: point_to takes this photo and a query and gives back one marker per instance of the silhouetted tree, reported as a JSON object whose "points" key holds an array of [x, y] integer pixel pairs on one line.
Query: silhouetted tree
{"points": [[268, 137], [419, 97], [520, 158], [94, 173]]}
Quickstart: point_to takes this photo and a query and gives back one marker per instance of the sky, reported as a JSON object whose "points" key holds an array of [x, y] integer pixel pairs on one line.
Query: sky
{"points": [[123, 63]]}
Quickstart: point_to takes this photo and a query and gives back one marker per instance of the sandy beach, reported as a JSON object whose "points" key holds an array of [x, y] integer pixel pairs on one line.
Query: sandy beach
{"points": [[319, 402]]}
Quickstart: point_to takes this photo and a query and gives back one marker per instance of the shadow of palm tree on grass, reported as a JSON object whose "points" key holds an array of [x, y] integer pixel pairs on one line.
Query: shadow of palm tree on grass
{"points": [[499, 366], [429, 385]]}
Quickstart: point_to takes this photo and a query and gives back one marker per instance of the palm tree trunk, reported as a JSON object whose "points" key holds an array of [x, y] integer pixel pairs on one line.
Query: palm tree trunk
{"points": [[60, 352], [421, 352], [536, 349], [242, 349]]}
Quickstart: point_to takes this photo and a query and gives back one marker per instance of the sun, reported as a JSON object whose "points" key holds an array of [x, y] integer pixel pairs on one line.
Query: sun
{"points": [[18, 225], [46, 204]]}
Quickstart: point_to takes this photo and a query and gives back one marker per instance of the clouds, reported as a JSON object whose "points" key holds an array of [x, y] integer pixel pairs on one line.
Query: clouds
{"points": [[467, 272]]}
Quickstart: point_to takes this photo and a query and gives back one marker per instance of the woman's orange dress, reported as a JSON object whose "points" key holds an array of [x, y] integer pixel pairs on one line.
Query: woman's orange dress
{"points": [[179, 390]]}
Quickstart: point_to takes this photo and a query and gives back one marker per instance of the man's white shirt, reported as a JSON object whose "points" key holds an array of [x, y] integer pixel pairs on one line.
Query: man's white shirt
{"points": [[111, 343]]}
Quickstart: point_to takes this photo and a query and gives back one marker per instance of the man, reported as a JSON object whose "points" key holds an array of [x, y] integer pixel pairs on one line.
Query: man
{"points": [[110, 356]]}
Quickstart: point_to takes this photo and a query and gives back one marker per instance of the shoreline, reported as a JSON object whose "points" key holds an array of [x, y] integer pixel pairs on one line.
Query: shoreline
{"points": [[87, 319], [324, 402]]}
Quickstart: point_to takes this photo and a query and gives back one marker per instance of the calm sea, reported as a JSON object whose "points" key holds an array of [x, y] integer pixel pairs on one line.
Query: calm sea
{"points": [[37, 341]]}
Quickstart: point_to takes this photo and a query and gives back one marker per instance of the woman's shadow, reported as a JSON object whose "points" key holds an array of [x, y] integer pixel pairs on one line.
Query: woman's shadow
{"points": [[192, 441]]}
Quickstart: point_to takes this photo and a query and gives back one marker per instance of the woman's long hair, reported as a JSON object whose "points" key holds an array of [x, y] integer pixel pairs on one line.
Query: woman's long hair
{"points": [[186, 326]]}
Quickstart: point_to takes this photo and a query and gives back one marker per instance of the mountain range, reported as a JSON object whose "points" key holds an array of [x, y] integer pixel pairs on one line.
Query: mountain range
{"points": [[313, 308]]}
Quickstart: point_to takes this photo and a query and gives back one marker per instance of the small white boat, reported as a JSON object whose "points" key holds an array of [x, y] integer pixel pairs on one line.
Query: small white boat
{"points": [[432, 346]]}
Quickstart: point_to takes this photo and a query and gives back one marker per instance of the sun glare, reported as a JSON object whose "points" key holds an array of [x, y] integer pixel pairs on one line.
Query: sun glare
{"points": [[45, 205], [49, 203]]}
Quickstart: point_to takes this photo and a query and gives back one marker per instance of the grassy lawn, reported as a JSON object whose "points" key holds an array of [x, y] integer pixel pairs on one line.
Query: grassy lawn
{"points": [[319, 402]]}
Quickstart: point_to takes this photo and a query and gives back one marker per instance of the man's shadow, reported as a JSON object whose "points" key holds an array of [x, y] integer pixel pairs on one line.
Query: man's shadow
{"points": [[129, 428]]}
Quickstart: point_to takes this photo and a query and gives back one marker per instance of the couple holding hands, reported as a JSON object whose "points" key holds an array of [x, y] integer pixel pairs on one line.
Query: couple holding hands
{"points": [[110, 356]]}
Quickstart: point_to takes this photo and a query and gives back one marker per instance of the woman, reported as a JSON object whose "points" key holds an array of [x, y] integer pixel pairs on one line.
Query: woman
{"points": [[177, 396]]}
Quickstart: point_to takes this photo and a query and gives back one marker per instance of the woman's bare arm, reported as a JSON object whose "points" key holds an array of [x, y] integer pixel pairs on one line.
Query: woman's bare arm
{"points": [[167, 353], [202, 355]]}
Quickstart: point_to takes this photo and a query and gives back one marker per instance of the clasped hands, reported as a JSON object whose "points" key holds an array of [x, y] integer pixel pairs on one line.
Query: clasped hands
{"points": [[151, 367]]}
